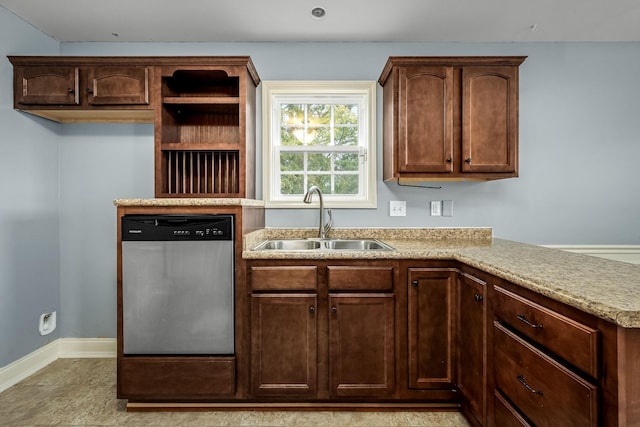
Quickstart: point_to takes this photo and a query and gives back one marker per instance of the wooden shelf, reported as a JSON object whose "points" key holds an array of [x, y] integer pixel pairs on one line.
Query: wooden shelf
{"points": [[200, 100], [95, 115], [205, 142], [198, 146]]}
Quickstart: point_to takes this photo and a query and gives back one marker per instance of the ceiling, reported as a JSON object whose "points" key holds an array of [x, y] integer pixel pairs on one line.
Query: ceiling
{"points": [[345, 20]]}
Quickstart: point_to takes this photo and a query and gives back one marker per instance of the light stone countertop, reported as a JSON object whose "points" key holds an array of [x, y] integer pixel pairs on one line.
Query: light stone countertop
{"points": [[195, 201], [607, 289]]}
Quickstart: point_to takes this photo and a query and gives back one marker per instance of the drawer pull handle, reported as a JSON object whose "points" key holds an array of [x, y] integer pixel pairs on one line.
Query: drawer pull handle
{"points": [[527, 386], [524, 320]]}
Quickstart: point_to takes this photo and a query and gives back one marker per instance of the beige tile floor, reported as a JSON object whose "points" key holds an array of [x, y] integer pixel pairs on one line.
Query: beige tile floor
{"points": [[82, 392]]}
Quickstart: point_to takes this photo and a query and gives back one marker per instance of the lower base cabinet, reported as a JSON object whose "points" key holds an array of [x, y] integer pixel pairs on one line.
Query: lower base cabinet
{"points": [[361, 345], [549, 368], [548, 393], [431, 340], [279, 322], [408, 332], [322, 331], [472, 340]]}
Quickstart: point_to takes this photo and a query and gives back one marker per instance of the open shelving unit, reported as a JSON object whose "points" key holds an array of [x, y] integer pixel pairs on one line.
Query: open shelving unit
{"points": [[205, 130]]}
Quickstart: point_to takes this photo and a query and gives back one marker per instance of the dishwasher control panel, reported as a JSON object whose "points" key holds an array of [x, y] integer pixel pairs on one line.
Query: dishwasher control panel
{"points": [[177, 227]]}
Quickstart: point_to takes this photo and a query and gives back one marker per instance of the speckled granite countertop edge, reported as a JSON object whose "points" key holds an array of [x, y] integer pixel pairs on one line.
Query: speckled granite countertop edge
{"points": [[476, 235]]}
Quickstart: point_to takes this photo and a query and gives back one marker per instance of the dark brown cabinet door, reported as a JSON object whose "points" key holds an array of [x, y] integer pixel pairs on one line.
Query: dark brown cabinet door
{"points": [[361, 344], [472, 321], [489, 119], [450, 118], [425, 140], [283, 345], [67, 85], [118, 86], [431, 300], [46, 85]]}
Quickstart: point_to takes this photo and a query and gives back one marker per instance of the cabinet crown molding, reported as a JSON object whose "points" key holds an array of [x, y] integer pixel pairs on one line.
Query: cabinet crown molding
{"points": [[452, 61], [244, 61]]}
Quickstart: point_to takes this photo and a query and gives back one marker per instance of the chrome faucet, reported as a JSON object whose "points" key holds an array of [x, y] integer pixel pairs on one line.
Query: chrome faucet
{"points": [[323, 228]]}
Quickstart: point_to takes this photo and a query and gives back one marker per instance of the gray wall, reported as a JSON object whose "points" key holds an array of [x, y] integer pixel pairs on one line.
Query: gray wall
{"points": [[578, 184], [579, 141], [579, 136], [29, 245], [98, 163]]}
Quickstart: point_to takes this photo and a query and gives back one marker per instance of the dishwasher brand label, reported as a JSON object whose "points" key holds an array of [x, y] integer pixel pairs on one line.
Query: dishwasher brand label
{"points": [[135, 231]]}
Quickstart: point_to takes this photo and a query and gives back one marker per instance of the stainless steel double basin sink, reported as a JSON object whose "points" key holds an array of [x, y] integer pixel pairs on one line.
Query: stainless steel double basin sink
{"points": [[322, 244]]}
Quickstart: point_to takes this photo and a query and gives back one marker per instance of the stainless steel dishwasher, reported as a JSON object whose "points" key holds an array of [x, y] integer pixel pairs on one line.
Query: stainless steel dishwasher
{"points": [[178, 284]]}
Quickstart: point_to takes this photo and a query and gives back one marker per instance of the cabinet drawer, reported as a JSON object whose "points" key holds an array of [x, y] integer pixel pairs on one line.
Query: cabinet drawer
{"points": [[504, 414], [571, 340], [548, 393], [348, 278], [297, 278]]}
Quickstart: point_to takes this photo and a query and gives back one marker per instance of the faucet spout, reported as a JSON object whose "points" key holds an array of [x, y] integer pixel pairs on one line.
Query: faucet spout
{"points": [[308, 197]]}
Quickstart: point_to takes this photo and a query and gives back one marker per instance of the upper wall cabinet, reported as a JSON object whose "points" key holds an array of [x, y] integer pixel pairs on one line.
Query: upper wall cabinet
{"points": [[203, 109], [87, 89], [450, 118], [205, 128]]}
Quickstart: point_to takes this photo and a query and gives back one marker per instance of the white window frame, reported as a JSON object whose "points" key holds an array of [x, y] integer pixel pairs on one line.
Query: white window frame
{"points": [[273, 94]]}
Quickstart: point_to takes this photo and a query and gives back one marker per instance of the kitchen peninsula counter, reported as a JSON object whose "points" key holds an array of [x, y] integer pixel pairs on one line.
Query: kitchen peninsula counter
{"points": [[604, 288]]}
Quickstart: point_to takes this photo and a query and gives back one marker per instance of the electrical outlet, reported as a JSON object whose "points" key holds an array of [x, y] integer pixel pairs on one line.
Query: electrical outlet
{"points": [[397, 208], [436, 208]]}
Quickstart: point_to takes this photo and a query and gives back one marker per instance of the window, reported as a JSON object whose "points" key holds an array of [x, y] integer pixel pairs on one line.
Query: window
{"points": [[323, 134]]}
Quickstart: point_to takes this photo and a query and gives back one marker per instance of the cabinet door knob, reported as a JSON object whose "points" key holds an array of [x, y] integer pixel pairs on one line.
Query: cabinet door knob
{"points": [[89, 90], [414, 283], [449, 159], [478, 298], [523, 319], [312, 309], [334, 309], [468, 160], [70, 90]]}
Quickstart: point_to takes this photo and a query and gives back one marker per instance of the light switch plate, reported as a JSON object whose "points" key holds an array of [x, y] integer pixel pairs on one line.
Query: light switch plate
{"points": [[447, 208], [436, 208], [397, 208]]}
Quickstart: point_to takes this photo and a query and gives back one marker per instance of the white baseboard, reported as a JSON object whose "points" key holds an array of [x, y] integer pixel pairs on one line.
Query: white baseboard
{"points": [[624, 253], [28, 365], [87, 347]]}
